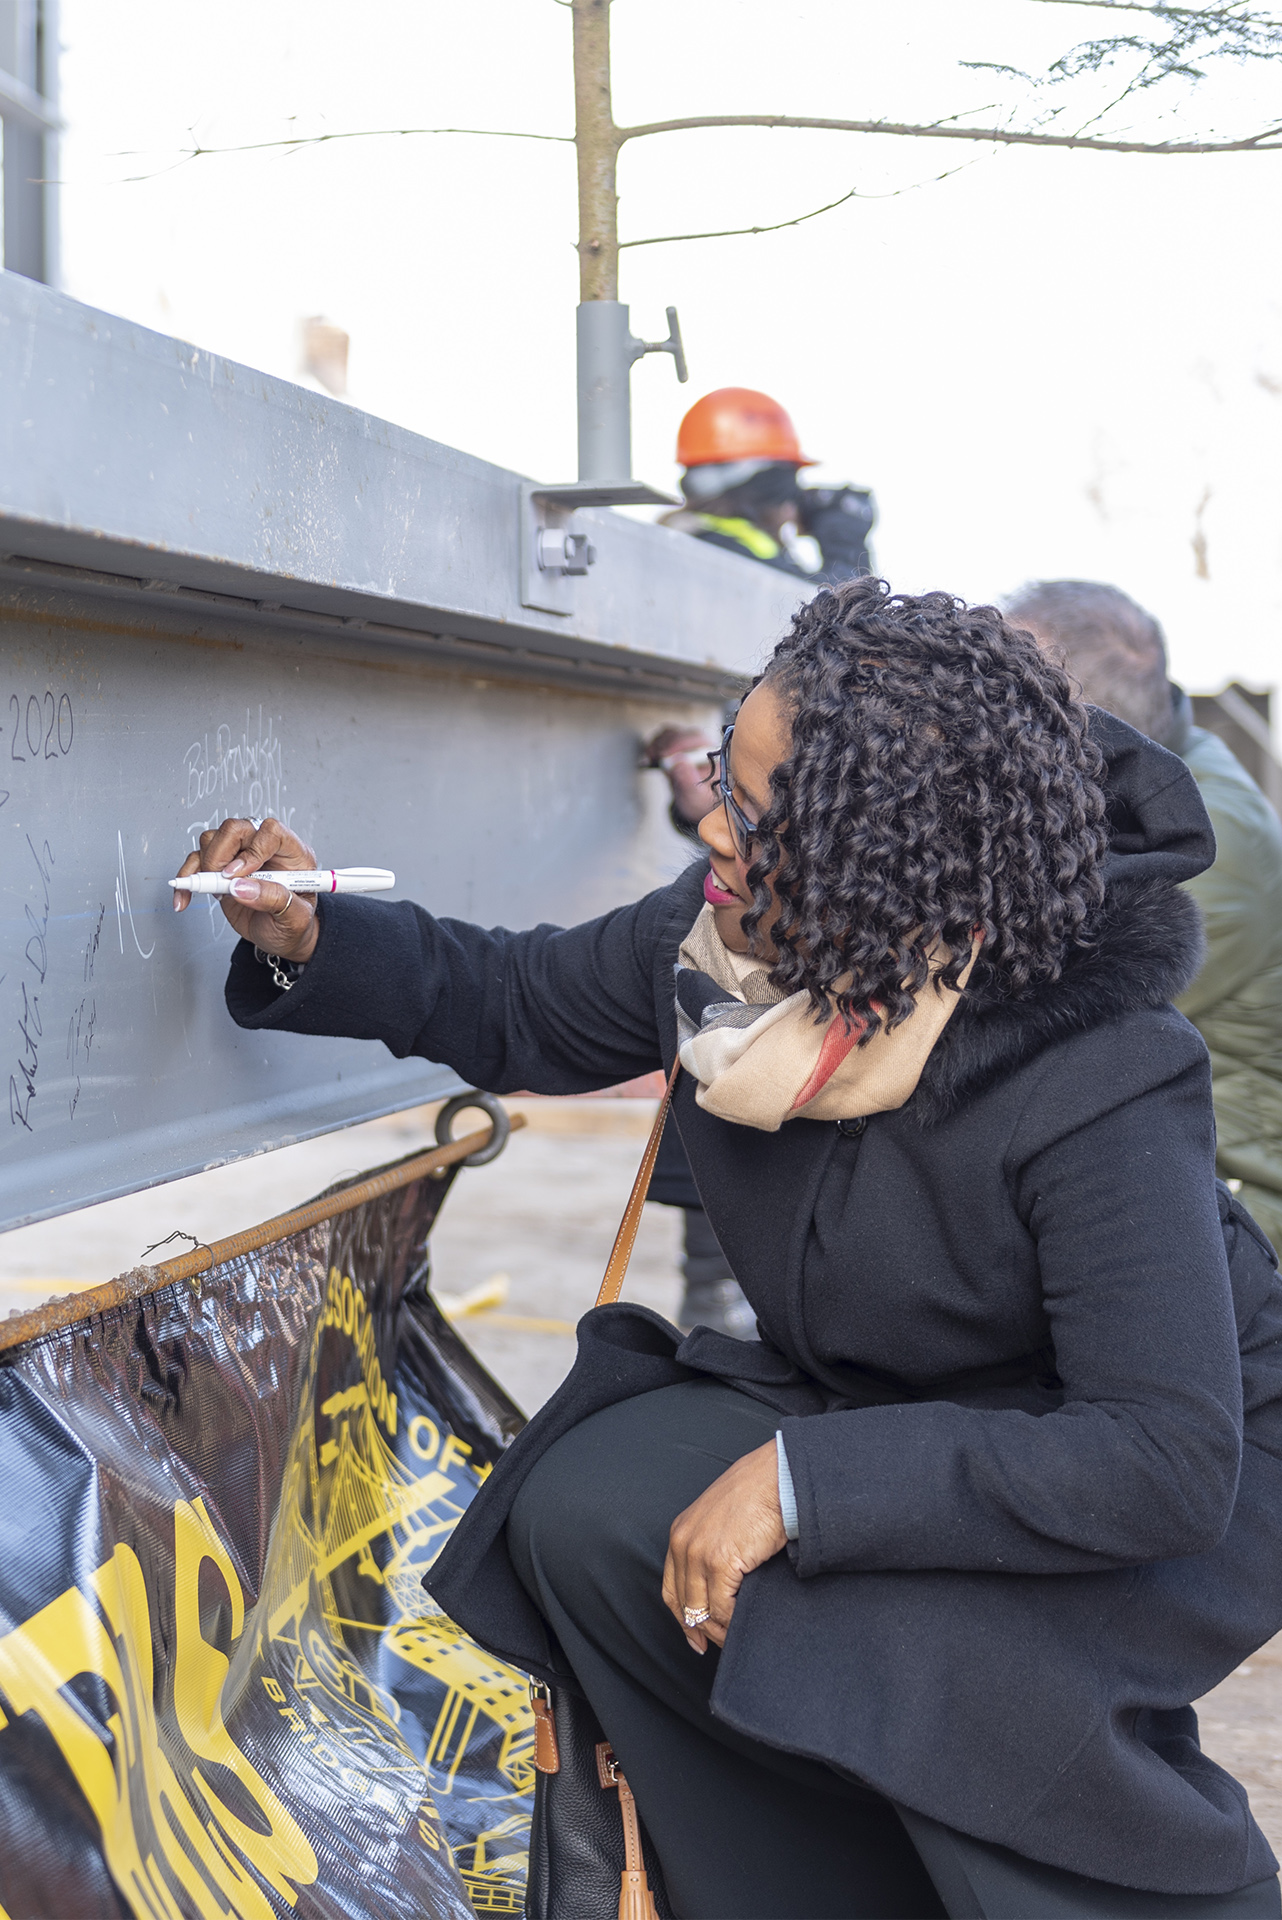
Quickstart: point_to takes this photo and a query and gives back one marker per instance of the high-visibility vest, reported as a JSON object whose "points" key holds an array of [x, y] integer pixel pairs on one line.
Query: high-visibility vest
{"points": [[760, 544]]}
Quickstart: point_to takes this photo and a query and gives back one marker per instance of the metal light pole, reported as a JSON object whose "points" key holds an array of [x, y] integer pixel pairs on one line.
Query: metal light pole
{"points": [[606, 350]]}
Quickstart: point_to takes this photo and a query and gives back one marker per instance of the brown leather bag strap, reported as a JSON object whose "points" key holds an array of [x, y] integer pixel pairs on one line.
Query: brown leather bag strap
{"points": [[636, 1902], [620, 1254]]}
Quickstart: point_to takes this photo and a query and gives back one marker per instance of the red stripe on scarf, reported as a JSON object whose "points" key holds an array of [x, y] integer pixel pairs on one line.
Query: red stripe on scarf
{"points": [[838, 1042]]}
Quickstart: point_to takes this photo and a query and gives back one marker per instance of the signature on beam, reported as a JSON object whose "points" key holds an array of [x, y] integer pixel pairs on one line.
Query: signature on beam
{"points": [[123, 908], [82, 1028], [35, 956]]}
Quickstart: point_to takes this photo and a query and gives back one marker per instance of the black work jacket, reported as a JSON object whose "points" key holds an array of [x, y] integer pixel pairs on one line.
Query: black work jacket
{"points": [[1027, 1358]]}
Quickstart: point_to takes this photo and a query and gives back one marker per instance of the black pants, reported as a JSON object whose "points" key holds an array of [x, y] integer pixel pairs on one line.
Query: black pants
{"points": [[744, 1831]]}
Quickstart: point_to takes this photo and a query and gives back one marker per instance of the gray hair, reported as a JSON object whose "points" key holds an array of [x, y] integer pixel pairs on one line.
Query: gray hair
{"points": [[1111, 646]]}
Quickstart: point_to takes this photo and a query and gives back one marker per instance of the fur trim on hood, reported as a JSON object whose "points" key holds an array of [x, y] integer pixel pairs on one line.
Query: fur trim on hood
{"points": [[1145, 948]]}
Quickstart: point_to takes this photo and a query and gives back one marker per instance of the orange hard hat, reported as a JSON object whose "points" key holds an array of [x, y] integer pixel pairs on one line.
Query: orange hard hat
{"points": [[736, 423]]}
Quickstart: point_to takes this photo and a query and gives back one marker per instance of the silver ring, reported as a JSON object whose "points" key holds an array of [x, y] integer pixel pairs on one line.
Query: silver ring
{"points": [[695, 1616]]}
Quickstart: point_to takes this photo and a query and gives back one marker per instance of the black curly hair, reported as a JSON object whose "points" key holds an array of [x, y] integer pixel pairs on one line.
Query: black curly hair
{"points": [[941, 780]]}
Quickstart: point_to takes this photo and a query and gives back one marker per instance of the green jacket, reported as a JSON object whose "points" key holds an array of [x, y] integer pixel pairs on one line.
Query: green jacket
{"points": [[1236, 1000]]}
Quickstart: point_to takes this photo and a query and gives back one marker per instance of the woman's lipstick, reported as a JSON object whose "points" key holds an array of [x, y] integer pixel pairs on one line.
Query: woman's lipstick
{"points": [[715, 894]]}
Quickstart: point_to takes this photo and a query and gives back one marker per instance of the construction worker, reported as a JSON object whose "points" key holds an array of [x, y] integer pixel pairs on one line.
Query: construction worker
{"points": [[741, 458]]}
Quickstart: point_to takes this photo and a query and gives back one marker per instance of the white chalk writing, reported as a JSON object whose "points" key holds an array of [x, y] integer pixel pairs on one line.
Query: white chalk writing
{"points": [[82, 1028], [244, 776], [35, 957], [123, 909]]}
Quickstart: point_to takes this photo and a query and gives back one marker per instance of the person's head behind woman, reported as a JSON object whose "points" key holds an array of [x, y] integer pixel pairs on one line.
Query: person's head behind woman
{"points": [[936, 779]]}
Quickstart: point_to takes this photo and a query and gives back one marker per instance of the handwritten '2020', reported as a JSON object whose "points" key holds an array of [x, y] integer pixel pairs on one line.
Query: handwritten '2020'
{"points": [[39, 727]]}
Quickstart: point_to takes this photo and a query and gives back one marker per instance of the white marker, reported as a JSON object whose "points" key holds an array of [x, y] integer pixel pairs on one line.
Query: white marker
{"points": [[322, 880]]}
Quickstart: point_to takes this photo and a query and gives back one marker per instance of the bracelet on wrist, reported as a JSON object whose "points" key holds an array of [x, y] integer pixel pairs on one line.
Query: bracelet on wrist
{"points": [[286, 973]]}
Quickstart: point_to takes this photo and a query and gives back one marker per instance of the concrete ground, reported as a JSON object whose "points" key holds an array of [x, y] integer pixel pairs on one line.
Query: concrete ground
{"points": [[538, 1224]]}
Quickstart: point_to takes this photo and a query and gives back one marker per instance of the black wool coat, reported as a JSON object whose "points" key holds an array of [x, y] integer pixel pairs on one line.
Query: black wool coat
{"points": [[1026, 1354]]}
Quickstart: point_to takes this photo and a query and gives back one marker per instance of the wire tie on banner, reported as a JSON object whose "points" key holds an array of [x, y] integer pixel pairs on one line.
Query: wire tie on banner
{"points": [[178, 1234]]}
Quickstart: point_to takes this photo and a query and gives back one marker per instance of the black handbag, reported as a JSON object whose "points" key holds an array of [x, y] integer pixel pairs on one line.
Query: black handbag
{"points": [[589, 1857]]}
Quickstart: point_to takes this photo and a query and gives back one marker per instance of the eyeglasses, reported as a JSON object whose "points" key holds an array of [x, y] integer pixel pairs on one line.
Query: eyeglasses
{"points": [[743, 831]]}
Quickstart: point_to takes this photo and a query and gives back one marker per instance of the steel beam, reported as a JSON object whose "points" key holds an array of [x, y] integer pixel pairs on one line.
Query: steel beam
{"points": [[127, 453], [221, 594]]}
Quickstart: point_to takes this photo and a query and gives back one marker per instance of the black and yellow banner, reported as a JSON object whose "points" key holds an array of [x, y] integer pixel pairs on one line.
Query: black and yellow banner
{"points": [[223, 1691]]}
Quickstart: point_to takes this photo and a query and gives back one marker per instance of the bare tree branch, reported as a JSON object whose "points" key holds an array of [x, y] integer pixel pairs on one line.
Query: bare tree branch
{"points": [[731, 233], [1001, 136], [1179, 45], [1236, 30], [734, 233], [357, 133], [1213, 16]]}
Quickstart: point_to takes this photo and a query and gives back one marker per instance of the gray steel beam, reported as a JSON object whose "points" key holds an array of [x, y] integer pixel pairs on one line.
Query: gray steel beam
{"points": [[124, 731], [128, 453], [220, 594]]}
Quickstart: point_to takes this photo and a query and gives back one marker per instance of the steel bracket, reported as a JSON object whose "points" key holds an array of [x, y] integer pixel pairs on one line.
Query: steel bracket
{"points": [[553, 552]]}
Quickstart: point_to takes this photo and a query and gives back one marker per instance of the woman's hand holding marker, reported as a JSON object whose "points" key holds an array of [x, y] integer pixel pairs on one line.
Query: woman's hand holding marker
{"points": [[270, 916]]}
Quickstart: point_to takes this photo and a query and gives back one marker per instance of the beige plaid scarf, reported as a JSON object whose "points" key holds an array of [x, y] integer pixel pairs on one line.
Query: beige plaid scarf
{"points": [[761, 1058]]}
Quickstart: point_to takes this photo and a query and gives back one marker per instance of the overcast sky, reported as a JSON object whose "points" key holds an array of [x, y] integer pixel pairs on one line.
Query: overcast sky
{"points": [[1045, 364]]}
